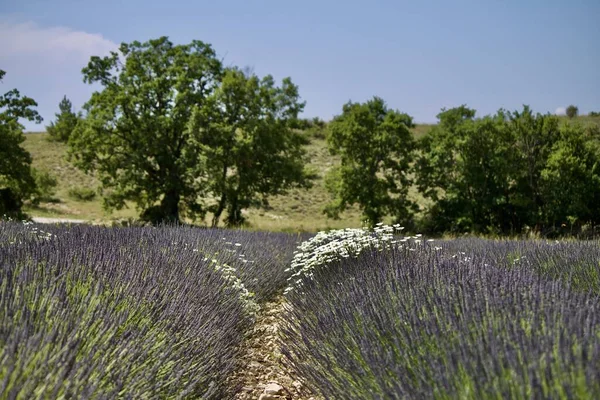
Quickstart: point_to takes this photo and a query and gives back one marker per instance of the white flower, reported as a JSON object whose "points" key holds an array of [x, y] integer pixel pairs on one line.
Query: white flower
{"points": [[328, 247]]}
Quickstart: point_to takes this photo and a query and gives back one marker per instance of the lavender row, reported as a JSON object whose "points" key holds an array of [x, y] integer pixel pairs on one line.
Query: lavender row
{"points": [[460, 319]]}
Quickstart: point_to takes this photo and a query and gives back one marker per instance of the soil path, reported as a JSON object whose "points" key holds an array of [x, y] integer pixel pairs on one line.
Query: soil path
{"points": [[44, 220], [264, 377]]}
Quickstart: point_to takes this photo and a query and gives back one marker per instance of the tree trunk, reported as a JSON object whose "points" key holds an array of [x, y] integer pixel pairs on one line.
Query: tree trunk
{"points": [[219, 210], [234, 214], [166, 212], [223, 201], [170, 207]]}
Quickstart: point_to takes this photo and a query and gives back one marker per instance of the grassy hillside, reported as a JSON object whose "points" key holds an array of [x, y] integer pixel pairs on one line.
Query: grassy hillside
{"points": [[299, 210], [51, 156]]}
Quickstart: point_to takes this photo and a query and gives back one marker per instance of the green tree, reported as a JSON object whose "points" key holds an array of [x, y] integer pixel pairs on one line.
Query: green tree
{"points": [[532, 138], [376, 146], [251, 150], [572, 111], [17, 182], [135, 135], [66, 121], [506, 172], [570, 179], [463, 168], [436, 163]]}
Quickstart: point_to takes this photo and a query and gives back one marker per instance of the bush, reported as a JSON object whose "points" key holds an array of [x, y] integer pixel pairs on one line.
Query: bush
{"points": [[10, 205], [504, 173], [572, 111], [82, 193], [317, 132], [45, 184]]}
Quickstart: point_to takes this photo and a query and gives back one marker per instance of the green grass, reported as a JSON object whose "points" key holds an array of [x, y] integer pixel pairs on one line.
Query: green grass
{"points": [[51, 156]]}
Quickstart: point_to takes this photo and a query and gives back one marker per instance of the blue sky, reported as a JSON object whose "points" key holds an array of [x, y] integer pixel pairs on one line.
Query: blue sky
{"points": [[419, 56]]}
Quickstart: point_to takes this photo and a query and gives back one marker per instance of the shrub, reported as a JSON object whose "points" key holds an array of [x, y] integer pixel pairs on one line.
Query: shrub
{"points": [[45, 184], [82, 193], [66, 121], [10, 205]]}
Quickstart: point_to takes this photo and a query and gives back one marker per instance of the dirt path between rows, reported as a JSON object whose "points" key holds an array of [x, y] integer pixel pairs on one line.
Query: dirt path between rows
{"points": [[264, 377], [44, 220]]}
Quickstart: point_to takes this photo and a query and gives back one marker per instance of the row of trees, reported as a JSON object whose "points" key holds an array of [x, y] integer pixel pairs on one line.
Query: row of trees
{"points": [[180, 135], [503, 173]]}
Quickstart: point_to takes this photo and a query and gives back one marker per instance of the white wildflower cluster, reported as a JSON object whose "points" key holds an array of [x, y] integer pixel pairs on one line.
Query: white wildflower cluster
{"points": [[327, 247], [229, 273], [522, 261], [34, 231]]}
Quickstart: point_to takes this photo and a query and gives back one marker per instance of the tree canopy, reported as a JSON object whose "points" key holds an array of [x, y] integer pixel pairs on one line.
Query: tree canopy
{"points": [[250, 148], [17, 181], [375, 146], [135, 136], [507, 173]]}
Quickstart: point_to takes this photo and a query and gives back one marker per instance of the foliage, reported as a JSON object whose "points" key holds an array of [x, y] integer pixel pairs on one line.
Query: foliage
{"points": [[594, 114], [460, 168], [572, 111], [45, 184], [244, 130], [376, 148], [571, 179], [17, 182], [313, 128], [466, 319], [135, 135], [82, 193], [130, 312], [507, 173], [66, 121]]}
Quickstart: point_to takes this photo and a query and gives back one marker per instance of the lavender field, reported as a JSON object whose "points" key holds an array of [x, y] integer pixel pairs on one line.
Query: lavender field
{"points": [[117, 313], [101, 313]]}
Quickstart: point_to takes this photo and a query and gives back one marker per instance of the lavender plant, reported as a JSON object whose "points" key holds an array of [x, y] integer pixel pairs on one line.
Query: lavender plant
{"points": [[574, 262], [448, 320]]}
